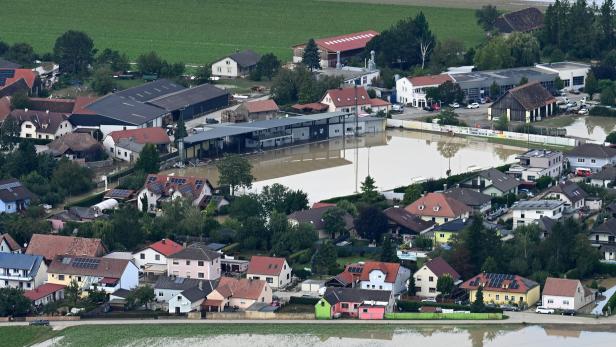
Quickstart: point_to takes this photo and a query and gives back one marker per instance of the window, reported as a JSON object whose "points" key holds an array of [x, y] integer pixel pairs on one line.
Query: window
{"points": [[550, 301], [219, 69], [200, 263], [188, 262], [157, 257], [418, 279], [566, 302], [580, 160], [442, 235], [497, 297], [79, 279], [175, 262], [345, 305], [61, 277], [578, 80], [269, 279], [142, 256], [430, 279], [160, 293], [506, 297], [521, 215], [567, 82], [200, 275], [365, 310], [431, 290], [593, 161]]}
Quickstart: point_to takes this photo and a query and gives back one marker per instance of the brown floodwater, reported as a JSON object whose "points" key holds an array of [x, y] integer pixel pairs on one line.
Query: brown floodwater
{"points": [[394, 158], [593, 128]]}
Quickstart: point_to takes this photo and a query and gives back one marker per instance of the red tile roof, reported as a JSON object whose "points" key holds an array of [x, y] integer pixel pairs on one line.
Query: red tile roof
{"points": [[80, 105], [313, 106], [42, 291], [110, 269], [261, 106], [438, 205], [389, 269], [157, 136], [13, 245], [500, 283], [429, 80], [346, 42], [440, 267], [376, 102], [27, 75], [166, 247], [560, 287], [189, 186], [322, 204], [51, 245], [344, 97], [268, 266], [242, 288]]}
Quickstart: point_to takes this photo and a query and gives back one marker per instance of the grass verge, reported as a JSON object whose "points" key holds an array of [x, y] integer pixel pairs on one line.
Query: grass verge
{"points": [[24, 335]]}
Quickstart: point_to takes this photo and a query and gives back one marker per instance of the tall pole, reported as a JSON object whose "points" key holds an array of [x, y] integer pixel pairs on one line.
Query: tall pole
{"points": [[181, 139], [356, 143]]}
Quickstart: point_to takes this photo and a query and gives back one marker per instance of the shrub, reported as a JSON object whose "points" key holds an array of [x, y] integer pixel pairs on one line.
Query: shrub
{"points": [[300, 300], [602, 111]]}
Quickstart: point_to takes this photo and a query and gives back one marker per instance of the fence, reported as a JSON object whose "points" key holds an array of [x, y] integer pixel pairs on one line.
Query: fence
{"points": [[489, 133], [259, 315], [439, 316]]}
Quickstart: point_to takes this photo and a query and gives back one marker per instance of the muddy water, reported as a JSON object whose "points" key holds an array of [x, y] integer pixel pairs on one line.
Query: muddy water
{"points": [[394, 158], [593, 128], [529, 336]]}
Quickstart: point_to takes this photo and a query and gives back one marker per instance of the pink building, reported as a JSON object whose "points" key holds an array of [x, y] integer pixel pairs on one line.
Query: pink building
{"points": [[195, 261], [354, 303], [371, 312]]}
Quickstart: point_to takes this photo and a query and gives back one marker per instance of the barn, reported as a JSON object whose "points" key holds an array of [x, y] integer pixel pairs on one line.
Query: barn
{"points": [[527, 103]]}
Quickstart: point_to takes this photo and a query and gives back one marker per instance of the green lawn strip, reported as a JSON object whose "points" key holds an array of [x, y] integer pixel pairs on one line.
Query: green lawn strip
{"points": [[199, 32], [525, 144], [24, 335], [443, 316]]}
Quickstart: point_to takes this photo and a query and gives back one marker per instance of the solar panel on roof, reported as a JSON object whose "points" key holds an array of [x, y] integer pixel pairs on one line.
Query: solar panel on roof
{"points": [[2, 81], [7, 73], [151, 178]]}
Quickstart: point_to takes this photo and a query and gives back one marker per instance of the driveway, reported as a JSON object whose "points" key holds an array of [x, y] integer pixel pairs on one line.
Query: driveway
{"points": [[472, 117], [601, 304]]}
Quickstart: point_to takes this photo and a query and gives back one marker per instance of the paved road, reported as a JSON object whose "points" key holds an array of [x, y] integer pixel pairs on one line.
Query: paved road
{"points": [[514, 318], [600, 304]]}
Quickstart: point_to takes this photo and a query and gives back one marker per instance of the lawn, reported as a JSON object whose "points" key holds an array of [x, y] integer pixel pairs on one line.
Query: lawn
{"points": [[24, 335], [200, 31]]}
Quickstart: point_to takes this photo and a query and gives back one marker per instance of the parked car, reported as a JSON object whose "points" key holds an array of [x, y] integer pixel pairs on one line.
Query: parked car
{"points": [[509, 308], [397, 107], [436, 107], [428, 108], [211, 121], [40, 322], [527, 192], [568, 313], [473, 105], [429, 300], [482, 100], [544, 310], [575, 91], [454, 105], [583, 111]]}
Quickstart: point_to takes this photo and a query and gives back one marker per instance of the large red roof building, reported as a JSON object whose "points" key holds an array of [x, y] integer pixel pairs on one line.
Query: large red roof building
{"points": [[349, 45]]}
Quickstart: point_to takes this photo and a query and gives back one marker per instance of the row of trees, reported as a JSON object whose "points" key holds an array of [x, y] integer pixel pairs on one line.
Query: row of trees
{"points": [[301, 85]]}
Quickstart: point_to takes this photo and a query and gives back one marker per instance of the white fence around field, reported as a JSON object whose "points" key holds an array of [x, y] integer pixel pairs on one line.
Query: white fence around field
{"points": [[498, 134]]}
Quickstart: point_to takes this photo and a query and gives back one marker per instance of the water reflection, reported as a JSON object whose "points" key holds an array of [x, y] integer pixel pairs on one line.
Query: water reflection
{"points": [[593, 128], [395, 158]]}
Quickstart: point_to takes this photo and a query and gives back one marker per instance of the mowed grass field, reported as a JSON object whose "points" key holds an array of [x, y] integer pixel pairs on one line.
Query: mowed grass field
{"points": [[201, 31]]}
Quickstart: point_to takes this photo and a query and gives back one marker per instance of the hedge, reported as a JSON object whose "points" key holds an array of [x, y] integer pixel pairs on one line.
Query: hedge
{"points": [[413, 306], [87, 201], [437, 316], [301, 300], [602, 111], [611, 304], [606, 269]]}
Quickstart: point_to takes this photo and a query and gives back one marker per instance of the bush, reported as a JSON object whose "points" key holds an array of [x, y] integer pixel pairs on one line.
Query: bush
{"points": [[602, 111], [437, 316], [300, 300]]}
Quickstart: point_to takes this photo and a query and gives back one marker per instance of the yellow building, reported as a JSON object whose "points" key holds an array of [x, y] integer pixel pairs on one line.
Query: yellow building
{"points": [[444, 232], [503, 289]]}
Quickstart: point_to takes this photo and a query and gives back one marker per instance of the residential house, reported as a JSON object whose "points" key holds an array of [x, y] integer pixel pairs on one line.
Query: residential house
{"points": [[442, 234], [480, 203], [45, 294], [195, 261], [276, 272], [252, 110], [492, 182], [570, 194], [8, 244], [314, 216], [603, 237], [105, 274], [503, 289], [527, 103], [159, 189], [546, 224], [116, 141], [591, 156], [237, 294], [41, 124], [565, 294], [373, 275], [537, 163], [353, 100], [405, 224], [604, 178], [438, 208], [153, 258], [573, 74], [13, 81], [524, 20], [14, 197], [238, 64], [191, 298], [353, 75], [167, 287], [412, 90], [354, 303], [427, 277], [22, 270], [77, 146], [530, 211], [49, 246], [337, 50]]}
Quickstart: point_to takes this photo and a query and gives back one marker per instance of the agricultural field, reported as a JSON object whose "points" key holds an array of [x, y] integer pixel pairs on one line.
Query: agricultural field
{"points": [[200, 31]]}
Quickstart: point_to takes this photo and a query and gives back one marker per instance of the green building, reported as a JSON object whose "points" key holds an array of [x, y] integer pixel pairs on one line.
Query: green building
{"points": [[323, 309]]}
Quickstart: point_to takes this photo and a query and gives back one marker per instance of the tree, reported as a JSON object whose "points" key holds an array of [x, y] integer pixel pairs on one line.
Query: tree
{"points": [[150, 63], [478, 305], [149, 160], [449, 92], [411, 194], [495, 54], [371, 223], [180, 132], [502, 123], [324, 260], [369, 193], [311, 57], [246, 206], [525, 50], [203, 74], [449, 117], [267, 67], [591, 86], [13, 302], [411, 288], [4, 47], [117, 62], [334, 221], [606, 22], [295, 200], [20, 101], [72, 293], [611, 138], [347, 206], [449, 52], [523, 81], [608, 96], [141, 296], [21, 53], [544, 182], [102, 81], [489, 265], [9, 133], [74, 52], [72, 177], [444, 285], [235, 171], [558, 83], [486, 17], [389, 250]]}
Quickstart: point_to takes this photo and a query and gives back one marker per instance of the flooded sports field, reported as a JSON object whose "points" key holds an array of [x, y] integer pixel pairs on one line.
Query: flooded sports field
{"points": [[394, 158]]}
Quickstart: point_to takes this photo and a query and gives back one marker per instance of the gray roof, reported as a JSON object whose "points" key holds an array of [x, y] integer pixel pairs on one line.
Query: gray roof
{"points": [[130, 145], [125, 109], [121, 293], [571, 190], [607, 227], [565, 65], [12, 190], [505, 76], [176, 283], [469, 197], [196, 251], [334, 295], [246, 58], [20, 261], [607, 174], [191, 96], [314, 216], [193, 294], [151, 90], [546, 223], [7, 64], [591, 150], [538, 204], [500, 180]]}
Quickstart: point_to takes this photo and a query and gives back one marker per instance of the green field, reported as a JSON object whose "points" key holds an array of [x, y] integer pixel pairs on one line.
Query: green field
{"points": [[199, 31], [24, 335]]}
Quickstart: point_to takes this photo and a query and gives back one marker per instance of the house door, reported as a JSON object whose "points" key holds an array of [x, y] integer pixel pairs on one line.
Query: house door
{"points": [[177, 310]]}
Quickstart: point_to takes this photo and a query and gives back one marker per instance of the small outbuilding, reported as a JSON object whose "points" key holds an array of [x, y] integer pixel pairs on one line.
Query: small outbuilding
{"points": [[527, 103]]}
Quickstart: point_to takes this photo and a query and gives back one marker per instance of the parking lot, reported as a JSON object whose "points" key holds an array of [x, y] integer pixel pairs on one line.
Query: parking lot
{"points": [[472, 117]]}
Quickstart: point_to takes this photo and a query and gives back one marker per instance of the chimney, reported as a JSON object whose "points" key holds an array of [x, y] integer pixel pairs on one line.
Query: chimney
{"points": [[184, 245], [164, 242], [444, 186], [47, 111], [25, 109]]}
